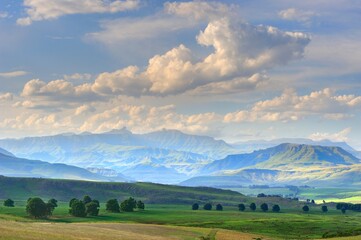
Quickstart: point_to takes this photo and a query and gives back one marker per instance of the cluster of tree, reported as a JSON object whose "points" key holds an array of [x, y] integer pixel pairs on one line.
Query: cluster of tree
{"points": [[9, 203], [310, 201], [306, 208], [127, 205], [85, 207], [241, 207], [348, 206], [261, 195], [207, 206], [37, 208], [264, 207]]}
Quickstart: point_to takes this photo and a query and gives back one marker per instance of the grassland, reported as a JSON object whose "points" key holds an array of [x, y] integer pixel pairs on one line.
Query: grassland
{"points": [[350, 195], [170, 218], [288, 224]]}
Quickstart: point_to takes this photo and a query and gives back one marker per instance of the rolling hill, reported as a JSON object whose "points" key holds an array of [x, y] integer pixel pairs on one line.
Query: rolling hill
{"points": [[19, 167], [250, 146], [64, 190], [285, 164], [284, 156]]}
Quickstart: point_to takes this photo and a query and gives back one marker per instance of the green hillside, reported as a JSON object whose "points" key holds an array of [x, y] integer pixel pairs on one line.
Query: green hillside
{"points": [[63, 190]]}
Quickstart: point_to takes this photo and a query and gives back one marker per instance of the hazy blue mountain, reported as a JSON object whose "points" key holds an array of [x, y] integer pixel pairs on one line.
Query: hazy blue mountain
{"points": [[284, 156], [250, 146], [3, 151], [121, 150], [151, 172], [176, 140], [18, 167], [336, 176]]}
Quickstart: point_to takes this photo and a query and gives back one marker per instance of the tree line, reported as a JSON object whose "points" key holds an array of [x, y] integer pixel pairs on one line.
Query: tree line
{"points": [[37, 208], [275, 208]]}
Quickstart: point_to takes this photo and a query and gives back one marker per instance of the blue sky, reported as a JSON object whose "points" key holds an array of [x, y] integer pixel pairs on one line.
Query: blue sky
{"points": [[236, 70]]}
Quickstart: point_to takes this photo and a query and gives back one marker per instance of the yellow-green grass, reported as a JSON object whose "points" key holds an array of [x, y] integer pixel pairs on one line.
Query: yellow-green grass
{"points": [[11, 230], [290, 223]]}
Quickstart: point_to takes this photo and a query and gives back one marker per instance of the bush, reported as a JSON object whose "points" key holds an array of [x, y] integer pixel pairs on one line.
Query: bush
{"points": [[219, 207], [241, 207], [207, 206], [112, 205], [195, 206], [253, 206], [37, 208], [92, 208], [9, 203], [276, 208], [324, 209], [128, 205], [77, 209], [305, 208], [264, 207]]}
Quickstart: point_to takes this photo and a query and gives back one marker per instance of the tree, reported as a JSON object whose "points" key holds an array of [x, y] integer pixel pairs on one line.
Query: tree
{"points": [[305, 208], [72, 201], [53, 202], [264, 207], [339, 206], [112, 205], [37, 208], [128, 205], [343, 210], [86, 199], [324, 209], [219, 207], [92, 208], [195, 206], [253, 206], [77, 209], [9, 203], [276, 208], [241, 207], [140, 205], [207, 206], [51, 205]]}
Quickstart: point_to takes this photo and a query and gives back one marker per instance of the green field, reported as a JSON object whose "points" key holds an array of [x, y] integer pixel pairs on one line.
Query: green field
{"points": [[288, 224], [168, 213], [351, 195]]}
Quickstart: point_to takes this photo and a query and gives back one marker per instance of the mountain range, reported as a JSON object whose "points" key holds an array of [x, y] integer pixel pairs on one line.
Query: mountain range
{"points": [[170, 156], [285, 164], [18, 167]]}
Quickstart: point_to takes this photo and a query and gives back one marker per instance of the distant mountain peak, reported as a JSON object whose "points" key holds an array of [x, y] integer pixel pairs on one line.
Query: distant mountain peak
{"points": [[123, 130]]}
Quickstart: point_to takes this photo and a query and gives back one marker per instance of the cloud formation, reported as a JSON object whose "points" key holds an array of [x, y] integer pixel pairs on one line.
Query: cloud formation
{"points": [[341, 136], [6, 97], [291, 107], [13, 74], [39, 10], [59, 91], [293, 14], [238, 50]]}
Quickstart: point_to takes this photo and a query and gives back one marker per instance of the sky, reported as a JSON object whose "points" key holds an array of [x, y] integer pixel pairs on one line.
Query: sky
{"points": [[234, 70]]}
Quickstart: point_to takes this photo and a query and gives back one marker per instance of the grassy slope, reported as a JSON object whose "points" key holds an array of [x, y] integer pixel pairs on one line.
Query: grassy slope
{"points": [[23, 188], [289, 224]]}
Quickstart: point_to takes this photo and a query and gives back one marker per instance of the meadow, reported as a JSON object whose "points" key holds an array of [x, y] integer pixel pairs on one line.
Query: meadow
{"points": [[180, 222]]}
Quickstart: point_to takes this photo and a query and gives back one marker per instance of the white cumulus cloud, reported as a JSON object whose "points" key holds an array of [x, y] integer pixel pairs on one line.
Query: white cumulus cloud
{"points": [[38, 10]]}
